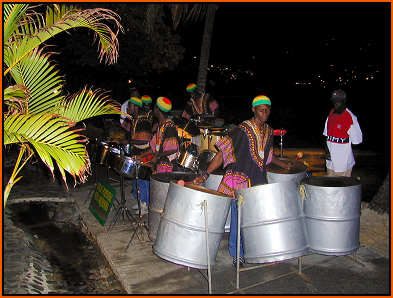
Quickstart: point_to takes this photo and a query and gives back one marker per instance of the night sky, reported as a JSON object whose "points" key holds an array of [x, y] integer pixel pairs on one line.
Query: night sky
{"points": [[297, 54]]}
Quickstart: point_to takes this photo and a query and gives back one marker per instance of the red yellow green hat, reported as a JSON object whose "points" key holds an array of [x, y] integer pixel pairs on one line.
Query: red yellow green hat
{"points": [[164, 104], [191, 87], [261, 100], [146, 99], [137, 101]]}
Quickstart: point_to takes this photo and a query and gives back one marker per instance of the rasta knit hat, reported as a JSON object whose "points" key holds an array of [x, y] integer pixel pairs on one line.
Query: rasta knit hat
{"points": [[261, 100], [164, 104], [137, 101], [146, 99], [191, 87]]}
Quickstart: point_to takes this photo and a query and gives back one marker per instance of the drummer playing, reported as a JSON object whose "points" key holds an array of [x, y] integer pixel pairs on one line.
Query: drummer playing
{"points": [[244, 156], [199, 103], [164, 145]]}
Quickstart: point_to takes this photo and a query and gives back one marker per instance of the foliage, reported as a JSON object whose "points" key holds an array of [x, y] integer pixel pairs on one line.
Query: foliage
{"points": [[38, 114]]}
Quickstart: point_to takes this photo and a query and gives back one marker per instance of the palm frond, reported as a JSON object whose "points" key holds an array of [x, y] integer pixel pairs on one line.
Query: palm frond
{"points": [[87, 104], [53, 139], [94, 19], [152, 12], [41, 80], [12, 14]]}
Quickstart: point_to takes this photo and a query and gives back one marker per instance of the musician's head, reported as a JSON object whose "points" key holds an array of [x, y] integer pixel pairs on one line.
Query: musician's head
{"points": [[146, 100], [162, 107], [261, 106], [134, 103], [339, 99]]}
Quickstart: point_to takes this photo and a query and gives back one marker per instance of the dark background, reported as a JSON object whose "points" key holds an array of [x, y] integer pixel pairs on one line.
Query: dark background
{"points": [[294, 53]]}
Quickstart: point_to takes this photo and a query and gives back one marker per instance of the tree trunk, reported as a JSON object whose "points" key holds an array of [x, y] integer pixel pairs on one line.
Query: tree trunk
{"points": [[380, 202], [205, 48]]}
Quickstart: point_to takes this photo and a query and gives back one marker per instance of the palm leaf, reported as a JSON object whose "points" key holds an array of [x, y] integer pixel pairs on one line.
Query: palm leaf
{"points": [[41, 80], [52, 139], [12, 14], [90, 18], [87, 104]]}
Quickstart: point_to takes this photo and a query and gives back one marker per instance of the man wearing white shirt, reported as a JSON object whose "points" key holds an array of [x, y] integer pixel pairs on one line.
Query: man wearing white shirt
{"points": [[341, 130]]}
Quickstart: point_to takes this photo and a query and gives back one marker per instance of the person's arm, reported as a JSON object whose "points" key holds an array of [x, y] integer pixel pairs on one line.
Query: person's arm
{"points": [[214, 165], [281, 163]]}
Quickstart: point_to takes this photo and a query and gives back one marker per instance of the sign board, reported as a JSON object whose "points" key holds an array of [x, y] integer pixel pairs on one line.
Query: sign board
{"points": [[101, 202]]}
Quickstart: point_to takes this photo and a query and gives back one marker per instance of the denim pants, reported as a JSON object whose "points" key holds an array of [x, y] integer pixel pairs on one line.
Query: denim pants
{"points": [[144, 188], [233, 232]]}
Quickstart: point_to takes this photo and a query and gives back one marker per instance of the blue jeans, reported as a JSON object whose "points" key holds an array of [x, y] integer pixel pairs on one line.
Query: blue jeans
{"points": [[144, 187], [233, 232]]}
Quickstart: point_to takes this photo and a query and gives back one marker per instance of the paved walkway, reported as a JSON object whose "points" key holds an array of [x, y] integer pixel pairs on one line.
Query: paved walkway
{"points": [[140, 271]]}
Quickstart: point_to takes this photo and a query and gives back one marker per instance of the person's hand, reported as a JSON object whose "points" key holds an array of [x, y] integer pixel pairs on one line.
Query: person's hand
{"points": [[289, 165], [154, 159], [199, 180]]}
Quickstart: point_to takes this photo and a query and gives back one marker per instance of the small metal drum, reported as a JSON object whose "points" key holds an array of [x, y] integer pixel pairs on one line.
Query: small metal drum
{"points": [[189, 161], [213, 138], [101, 155], [272, 223], [159, 184], [181, 236], [126, 166], [204, 140], [277, 174], [332, 211], [204, 159], [113, 157], [212, 183]]}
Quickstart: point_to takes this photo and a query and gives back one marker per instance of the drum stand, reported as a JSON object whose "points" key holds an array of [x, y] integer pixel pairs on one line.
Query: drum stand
{"points": [[139, 224], [122, 208]]}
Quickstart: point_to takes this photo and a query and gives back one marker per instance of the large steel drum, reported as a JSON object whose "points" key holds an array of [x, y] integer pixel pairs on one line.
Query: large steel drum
{"points": [[181, 236], [277, 174], [159, 184], [332, 211], [272, 223], [213, 182]]}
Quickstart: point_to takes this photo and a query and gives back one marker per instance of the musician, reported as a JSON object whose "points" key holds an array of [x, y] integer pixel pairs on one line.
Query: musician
{"points": [[164, 144], [147, 111], [130, 107], [199, 103], [244, 155]]}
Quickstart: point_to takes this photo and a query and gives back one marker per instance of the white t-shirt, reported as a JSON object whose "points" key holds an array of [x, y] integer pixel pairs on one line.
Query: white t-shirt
{"points": [[341, 155]]}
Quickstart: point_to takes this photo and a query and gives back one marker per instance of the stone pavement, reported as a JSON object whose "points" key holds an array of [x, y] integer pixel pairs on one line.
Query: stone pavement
{"points": [[140, 271]]}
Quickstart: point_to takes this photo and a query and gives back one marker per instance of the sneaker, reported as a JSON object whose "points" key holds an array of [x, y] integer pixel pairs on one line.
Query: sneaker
{"points": [[241, 262]]}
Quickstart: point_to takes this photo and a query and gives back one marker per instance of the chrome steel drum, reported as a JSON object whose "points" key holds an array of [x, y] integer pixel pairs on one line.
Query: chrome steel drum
{"points": [[159, 184], [277, 174], [126, 166], [212, 183], [102, 152], [204, 159], [189, 161], [272, 223], [213, 138], [181, 236], [332, 211], [204, 140], [114, 155]]}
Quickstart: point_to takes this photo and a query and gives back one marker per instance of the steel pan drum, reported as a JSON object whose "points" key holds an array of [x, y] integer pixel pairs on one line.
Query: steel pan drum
{"points": [[272, 223], [277, 174], [101, 155], [213, 138], [181, 236], [126, 166], [159, 184], [332, 211], [212, 183], [188, 160]]}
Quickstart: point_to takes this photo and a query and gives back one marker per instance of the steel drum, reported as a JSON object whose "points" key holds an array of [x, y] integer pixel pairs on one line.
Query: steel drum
{"points": [[189, 161], [159, 184], [113, 157], [204, 139], [272, 223], [332, 211], [277, 174], [126, 166], [101, 155], [213, 138], [181, 236], [213, 182]]}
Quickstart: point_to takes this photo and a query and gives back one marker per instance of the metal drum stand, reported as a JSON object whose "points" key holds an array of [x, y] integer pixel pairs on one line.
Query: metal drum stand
{"points": [[139, 223]]}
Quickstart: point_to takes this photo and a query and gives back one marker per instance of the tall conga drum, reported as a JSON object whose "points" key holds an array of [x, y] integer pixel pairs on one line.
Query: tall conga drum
{"points": [[272, 223], [181, 236], [159, 184], [332, 211]]}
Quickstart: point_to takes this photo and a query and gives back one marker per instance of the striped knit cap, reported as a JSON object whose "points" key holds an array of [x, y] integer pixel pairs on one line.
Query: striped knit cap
{"points": [[191, 87], [146, 99], [261, 100], [164, 104], [137, 101]]}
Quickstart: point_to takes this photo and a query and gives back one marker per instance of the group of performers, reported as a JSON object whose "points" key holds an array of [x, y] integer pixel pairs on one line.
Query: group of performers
{"points": [[243, 154]]}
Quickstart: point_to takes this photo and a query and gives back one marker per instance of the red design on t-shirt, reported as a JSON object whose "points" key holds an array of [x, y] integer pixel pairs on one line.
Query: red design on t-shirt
{"points": [[339, 124]]}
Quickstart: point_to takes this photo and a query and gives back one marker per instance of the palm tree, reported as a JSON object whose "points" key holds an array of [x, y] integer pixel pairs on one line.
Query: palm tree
{"points": [[38, 116], [183, 14]]}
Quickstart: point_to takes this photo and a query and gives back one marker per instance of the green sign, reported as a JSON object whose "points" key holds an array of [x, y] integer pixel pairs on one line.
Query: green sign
{"points": [[101, 202]]}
